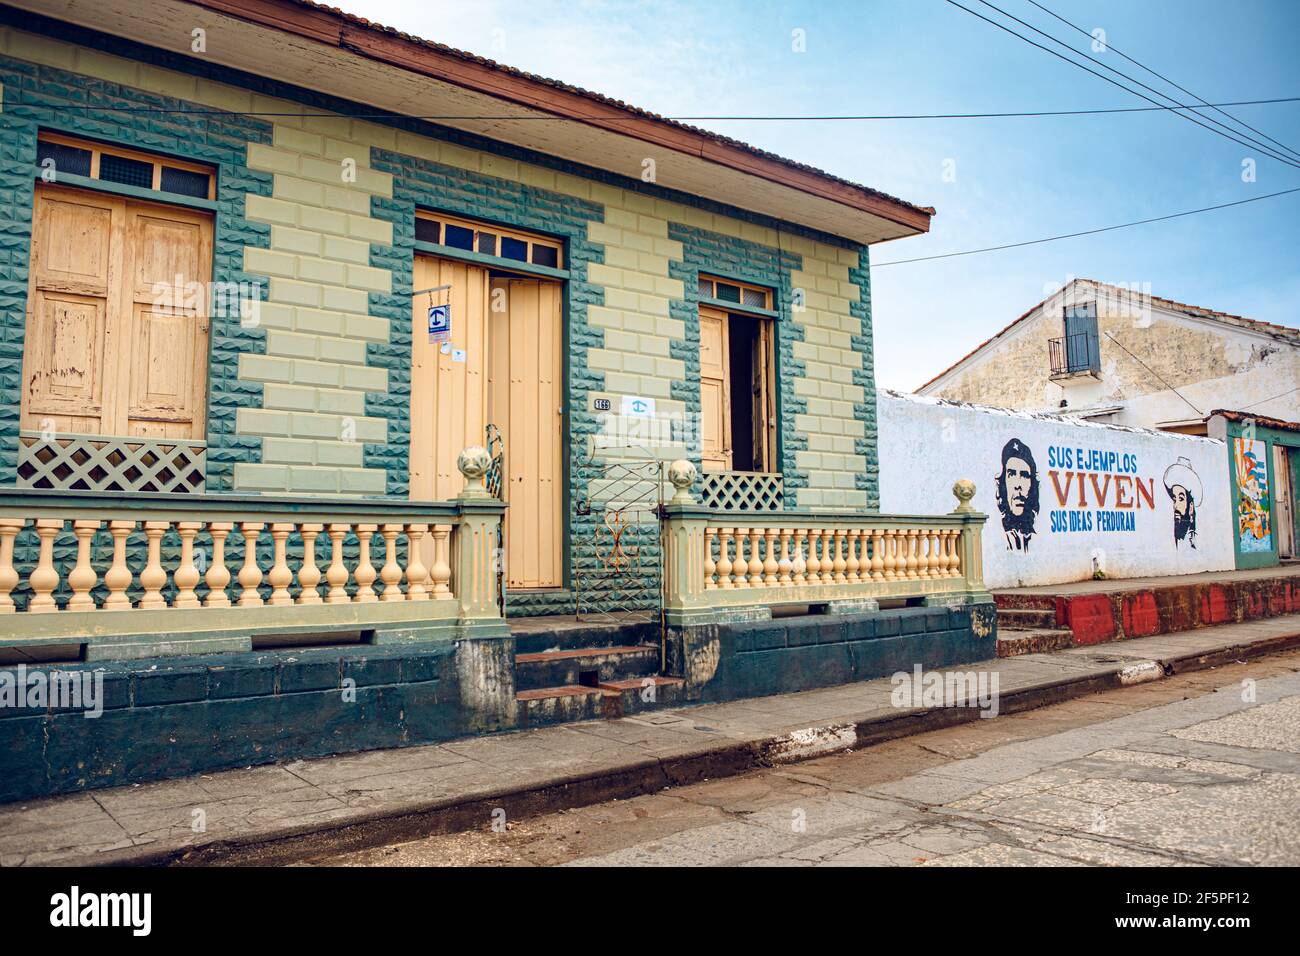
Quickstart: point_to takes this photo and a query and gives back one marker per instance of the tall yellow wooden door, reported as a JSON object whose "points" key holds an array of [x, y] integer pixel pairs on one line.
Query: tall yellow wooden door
{"points": [[525, 401], [448, 387], [504, 366], [715, 391], [117, 334]]}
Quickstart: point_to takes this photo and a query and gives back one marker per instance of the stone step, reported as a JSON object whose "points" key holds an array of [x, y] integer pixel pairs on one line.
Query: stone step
{"points": [[1012, 643], [1024, 618], [611, 699], [584, 666], [538, 635], [1042, 602]]}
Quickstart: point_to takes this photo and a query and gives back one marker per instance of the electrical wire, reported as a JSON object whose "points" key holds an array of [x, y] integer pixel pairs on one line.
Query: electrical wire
{"points": [[1213, 106], [1075, 63], [1087, 232]]}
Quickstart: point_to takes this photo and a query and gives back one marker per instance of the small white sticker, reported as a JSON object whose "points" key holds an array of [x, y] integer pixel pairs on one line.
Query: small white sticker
{"points": [[458, 355]]}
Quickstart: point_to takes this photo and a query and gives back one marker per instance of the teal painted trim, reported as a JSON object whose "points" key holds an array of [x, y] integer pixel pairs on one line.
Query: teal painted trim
{"points": [[493, 262], [423, 184], [736, 307], [38, 97], [167, 59], [131, 192], [716, 254], [863, 342]]}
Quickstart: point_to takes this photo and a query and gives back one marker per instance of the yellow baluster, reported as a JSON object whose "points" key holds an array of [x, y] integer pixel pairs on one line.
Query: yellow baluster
{"points": [[187, 575], [250, 575], [83, 577], [9, 528], [308, 573], [153, 577], [391, 572], [416, 573], [218, 575], [364, 575], [337, 574]]}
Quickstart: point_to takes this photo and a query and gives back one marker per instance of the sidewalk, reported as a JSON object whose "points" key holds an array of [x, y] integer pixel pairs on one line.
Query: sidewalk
{"points": [[358, 800]]}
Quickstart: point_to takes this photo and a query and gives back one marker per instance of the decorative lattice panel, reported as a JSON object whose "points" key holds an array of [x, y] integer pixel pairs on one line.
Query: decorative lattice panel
{"points": [[742, 491], [104, 463]]}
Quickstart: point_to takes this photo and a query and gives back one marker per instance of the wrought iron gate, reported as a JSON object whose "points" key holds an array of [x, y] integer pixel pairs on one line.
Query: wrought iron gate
{"points": [[622, 576], [496, 486]]}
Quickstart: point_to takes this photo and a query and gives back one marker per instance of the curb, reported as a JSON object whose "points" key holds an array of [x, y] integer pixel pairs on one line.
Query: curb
{"points": [[651, 775]]}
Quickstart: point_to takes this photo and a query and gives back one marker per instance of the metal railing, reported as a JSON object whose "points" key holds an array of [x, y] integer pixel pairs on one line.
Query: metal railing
{"points": [[1074, 353]]}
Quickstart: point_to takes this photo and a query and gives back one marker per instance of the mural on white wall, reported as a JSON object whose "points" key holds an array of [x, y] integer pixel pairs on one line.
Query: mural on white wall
{"points": [[1066, 499], [1253, 530], [1017, 494], [1184, 488]]}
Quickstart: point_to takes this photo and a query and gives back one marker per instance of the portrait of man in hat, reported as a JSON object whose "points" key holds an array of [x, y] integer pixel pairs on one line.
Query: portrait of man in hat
{"points": [[1017, 494], [1184, 488]]}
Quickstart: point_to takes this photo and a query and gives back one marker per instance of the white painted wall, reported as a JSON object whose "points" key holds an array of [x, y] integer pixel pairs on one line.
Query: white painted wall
{"points": [[926, 444]]}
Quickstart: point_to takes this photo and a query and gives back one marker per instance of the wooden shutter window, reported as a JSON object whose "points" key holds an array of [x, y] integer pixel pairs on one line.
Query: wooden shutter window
{"points": [[104, 352]]}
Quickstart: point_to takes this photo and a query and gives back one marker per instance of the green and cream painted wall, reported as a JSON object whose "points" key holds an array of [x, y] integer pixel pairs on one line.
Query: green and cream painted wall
{"points": [[316, 213]]}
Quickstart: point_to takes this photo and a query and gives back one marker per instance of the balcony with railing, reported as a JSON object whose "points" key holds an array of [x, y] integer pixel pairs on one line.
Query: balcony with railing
{"points": [[1072, 355]]}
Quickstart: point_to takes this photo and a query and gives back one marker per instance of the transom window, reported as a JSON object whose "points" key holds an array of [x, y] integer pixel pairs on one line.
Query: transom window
{"points": [[504, 243], [741, 293], [113, 164]]}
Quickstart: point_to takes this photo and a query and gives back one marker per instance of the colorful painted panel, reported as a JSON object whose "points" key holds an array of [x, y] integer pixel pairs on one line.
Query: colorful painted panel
{"points": [[1251, 458]]}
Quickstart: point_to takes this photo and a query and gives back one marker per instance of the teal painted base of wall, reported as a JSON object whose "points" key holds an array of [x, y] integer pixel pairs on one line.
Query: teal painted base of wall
{"points": [[733, 661], [184, 716]]}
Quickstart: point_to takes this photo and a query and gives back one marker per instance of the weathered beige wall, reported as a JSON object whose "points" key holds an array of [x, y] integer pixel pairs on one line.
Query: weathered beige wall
{"points": [[1213, 365]]}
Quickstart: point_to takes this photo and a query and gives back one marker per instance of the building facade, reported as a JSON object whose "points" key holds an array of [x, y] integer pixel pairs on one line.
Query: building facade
{"points": [[1119, 355], [273, 344], [327, 349]]}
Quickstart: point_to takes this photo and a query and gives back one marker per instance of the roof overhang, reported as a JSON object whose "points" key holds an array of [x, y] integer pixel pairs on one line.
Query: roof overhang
{"points": [[329, 52]]}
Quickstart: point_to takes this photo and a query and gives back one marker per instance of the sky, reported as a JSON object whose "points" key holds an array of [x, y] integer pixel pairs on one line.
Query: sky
{"points": [[992, 181]]}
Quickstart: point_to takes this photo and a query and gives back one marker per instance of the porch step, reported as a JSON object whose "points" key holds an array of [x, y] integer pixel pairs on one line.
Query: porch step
{"points": [[1013, 643], [539, 635], [612, 699], [1041, 602], [584, 666], [1026, 618]]}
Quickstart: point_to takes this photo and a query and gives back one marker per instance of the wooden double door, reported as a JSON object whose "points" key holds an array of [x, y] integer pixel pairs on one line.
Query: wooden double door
{"points": [[503, 366], [117, 323]]}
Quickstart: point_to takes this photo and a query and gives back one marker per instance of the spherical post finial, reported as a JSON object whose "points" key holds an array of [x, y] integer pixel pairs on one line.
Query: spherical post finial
{"points": [[964, 490], [474, 463], [682, 475]]}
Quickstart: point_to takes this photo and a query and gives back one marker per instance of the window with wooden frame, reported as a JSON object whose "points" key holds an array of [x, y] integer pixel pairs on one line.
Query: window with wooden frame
{"points": [[127, 167], [467, 235], [117, 324], [737, 379]]}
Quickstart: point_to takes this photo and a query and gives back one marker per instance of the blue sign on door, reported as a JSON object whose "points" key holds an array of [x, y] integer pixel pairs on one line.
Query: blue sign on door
{"points": [[439, 323]]}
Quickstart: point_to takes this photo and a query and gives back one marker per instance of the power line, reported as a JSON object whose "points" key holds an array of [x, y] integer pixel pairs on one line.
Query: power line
{"points": [[1267, 400], [1087, 232], [1214, 106], [1075, 63], [785, 118], [1156, 374], [1228, 130]]}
